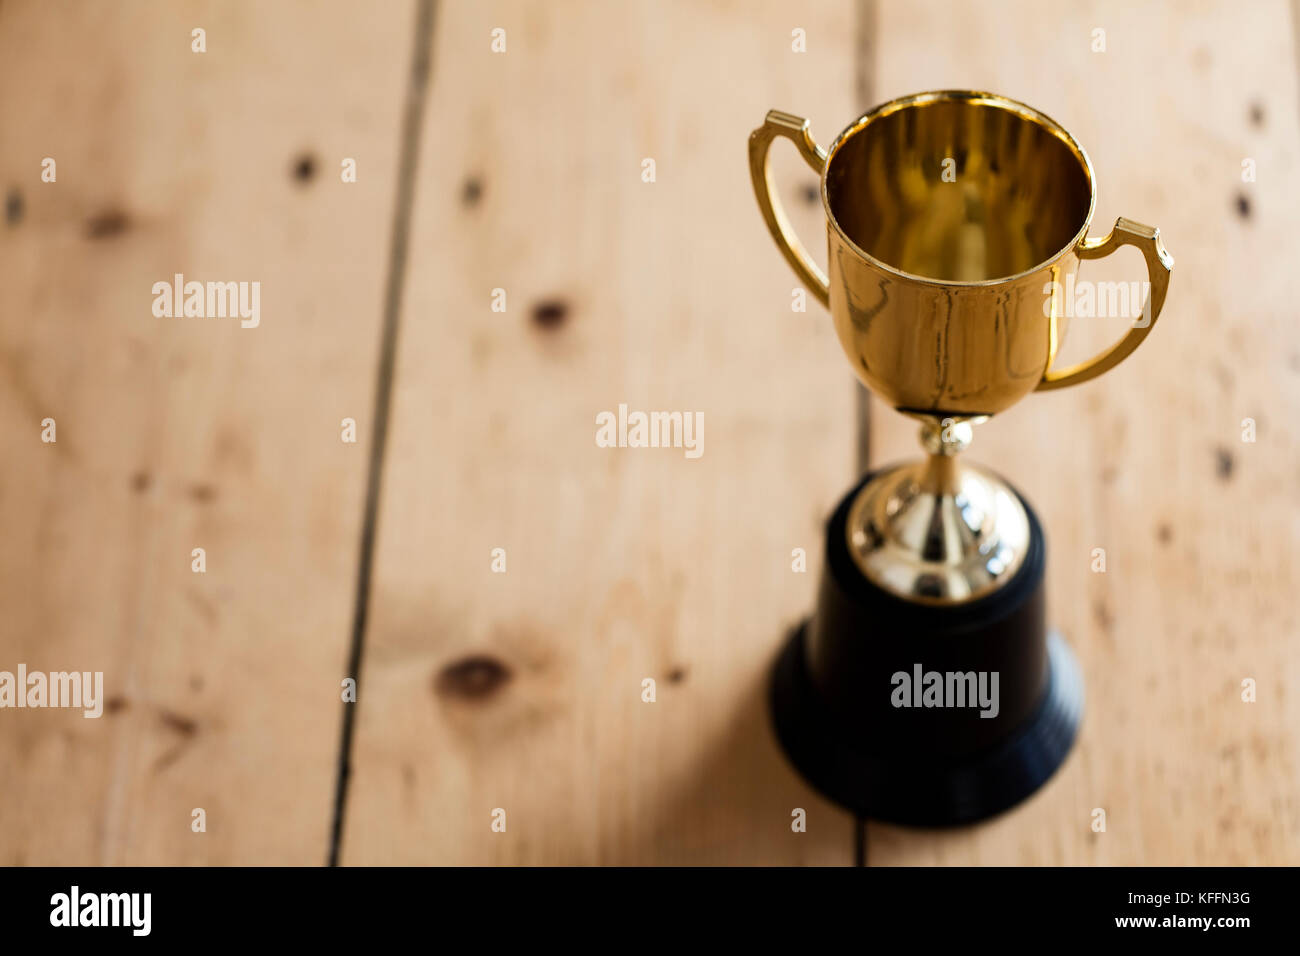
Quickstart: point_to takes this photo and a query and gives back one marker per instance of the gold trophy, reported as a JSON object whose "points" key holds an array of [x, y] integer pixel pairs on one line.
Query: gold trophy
{"points": [[954, 219]]}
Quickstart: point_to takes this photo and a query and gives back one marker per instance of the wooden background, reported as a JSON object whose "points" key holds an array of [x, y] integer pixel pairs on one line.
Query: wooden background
{"points": [[521, 171]]}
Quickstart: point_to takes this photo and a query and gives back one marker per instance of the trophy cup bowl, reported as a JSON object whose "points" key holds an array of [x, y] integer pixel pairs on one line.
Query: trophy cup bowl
{"points": [[954, 219]]}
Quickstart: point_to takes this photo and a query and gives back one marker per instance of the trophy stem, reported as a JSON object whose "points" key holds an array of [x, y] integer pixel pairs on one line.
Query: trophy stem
{"points": [[943, 443]]}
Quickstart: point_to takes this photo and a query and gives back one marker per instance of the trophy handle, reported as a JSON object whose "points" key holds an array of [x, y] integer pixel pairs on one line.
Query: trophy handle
{"points": [[795, 129], [1159, 265]]}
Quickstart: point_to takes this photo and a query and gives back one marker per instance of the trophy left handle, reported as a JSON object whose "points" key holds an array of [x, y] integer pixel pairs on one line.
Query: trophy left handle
{"points": [[795, 129], [1160, 264]]}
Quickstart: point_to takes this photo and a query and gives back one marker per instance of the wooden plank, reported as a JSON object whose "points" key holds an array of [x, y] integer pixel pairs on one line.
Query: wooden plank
{"points": [[1148, 462], [522, 690], [181, 433]]}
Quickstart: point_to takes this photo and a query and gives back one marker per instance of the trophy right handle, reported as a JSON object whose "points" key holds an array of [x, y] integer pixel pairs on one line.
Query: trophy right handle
{"points": [[795, 129], [1159, 266]]}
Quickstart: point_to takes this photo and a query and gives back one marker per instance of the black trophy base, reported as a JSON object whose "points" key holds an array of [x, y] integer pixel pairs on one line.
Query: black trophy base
{"points": [[845, 732], [927, 791]]}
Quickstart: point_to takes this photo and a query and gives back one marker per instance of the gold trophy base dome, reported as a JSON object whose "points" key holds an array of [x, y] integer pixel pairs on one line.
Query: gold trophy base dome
{"points": [[939, 530]]}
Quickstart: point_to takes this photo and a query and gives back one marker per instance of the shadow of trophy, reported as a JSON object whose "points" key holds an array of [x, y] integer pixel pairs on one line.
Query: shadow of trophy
{"points": [[926, 688]]}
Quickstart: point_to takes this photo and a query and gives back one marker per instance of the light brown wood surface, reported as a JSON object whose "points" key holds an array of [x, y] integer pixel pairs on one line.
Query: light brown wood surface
{"points": [[523, 690], [622, 564], [175, 434]]}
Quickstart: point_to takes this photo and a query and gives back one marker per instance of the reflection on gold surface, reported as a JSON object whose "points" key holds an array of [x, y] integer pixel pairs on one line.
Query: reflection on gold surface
{"points": [[958, 189]]}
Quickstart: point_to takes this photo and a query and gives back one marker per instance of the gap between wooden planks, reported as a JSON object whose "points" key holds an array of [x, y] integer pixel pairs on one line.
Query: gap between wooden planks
{"points": [[522, 690], [222, 687]]}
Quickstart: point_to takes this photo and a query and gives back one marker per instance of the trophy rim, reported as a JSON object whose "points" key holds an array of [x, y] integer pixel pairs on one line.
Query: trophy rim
{"points": [[1025, 112]]}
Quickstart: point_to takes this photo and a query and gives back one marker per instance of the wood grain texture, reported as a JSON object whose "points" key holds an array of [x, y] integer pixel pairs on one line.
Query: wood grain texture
{"points": [[522, 690], [1148, 462], [181, 433]]}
